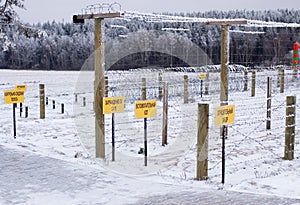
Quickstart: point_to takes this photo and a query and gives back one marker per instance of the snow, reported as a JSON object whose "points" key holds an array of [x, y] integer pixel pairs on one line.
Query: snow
{"points": [[254, 161]]}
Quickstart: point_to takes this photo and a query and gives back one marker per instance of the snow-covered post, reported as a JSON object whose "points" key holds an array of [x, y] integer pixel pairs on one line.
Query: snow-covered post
{"points": [[165, 115], [253, 84], [281, 80], [206, 89], [202, 142], [245, 80], [186, 89], [160, 89], [290, 128], [42, 101], [268, 125]]}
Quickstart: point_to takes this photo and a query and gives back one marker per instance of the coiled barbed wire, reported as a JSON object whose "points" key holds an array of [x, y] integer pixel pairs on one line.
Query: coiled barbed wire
{"points": [[102, 8]]}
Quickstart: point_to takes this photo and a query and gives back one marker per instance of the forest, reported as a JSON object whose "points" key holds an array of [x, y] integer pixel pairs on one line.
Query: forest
{"points": [[66, 46]]}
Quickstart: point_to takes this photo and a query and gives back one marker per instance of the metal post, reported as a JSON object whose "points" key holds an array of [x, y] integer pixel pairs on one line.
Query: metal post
{"points": [[26, 112], [223, 153], [53, 104], [145, 140], [14, 120], [113, 135], [21, 109], [62, 108]]}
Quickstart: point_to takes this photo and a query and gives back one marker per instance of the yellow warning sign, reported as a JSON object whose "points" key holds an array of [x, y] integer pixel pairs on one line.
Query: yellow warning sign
{"points": [[202, 76], [113, 104], [225, 115], [145, 108], [21, 87], [13, 96]]}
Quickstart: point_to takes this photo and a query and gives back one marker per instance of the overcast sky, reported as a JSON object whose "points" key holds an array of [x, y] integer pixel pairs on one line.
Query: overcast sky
{"points": [[62, 10]]}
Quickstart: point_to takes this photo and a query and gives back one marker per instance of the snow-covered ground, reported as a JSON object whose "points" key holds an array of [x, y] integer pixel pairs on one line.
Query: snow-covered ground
{"points": [[254, 161]]}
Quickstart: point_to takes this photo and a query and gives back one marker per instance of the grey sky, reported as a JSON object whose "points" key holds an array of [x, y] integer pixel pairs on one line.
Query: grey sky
{"points": [[59, 10]]}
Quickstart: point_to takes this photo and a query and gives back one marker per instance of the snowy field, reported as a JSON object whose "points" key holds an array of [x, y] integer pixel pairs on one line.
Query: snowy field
{"points": [[254, 161]]}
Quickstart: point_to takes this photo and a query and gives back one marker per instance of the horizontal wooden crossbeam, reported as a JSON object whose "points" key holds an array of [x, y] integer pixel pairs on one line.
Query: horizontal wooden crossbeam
{"points": [[225, 22]]}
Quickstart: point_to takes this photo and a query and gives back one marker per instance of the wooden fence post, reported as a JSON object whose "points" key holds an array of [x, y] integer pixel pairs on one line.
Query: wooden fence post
{"points": [[165, 115], [245, 80], [42, 101], [84, 101], [281, 80], [290, 128], [144, 95], [186, 89], [253, 84], [202, 142], [206, 90], [160, 89], [268, 125]]}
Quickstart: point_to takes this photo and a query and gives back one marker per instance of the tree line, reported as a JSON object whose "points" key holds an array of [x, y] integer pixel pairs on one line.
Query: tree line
{"points": [[66, 46]]}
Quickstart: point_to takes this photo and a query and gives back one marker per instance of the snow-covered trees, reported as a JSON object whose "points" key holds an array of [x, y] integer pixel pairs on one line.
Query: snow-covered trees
{"points": [[53, 45]]}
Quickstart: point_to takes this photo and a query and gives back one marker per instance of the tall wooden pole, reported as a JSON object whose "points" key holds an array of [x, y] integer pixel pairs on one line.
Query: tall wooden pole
{"points": [[224, 73], [99, 83], [99, 89]]}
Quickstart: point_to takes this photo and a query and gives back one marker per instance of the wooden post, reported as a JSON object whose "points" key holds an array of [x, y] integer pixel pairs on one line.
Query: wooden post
{"points": [[281, 80], [224, 73], [160, 89], [106, 86], [83, 101], [99, 89], [278, 77], [253, 84], [165, 116], [268, 125], [144, 95], [186, 89], [202, 142], [206, 91], [245, 80], [42, 101], [290, 128]]}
